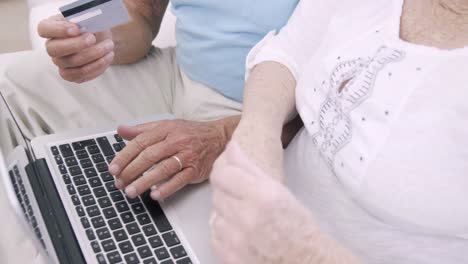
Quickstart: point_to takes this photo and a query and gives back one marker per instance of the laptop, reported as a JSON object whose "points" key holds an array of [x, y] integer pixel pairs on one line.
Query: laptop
{"points": [[60, 186]]}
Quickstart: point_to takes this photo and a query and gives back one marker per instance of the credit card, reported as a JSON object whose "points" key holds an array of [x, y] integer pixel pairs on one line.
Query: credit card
{"points": [[96, 15]]}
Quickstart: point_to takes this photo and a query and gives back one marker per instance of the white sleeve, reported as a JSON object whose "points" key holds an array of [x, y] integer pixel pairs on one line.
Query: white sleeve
{"points": [[296, 42]]}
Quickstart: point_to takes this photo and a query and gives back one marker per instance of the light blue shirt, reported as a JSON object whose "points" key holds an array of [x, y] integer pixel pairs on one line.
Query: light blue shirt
{"points": [[215, 36]]}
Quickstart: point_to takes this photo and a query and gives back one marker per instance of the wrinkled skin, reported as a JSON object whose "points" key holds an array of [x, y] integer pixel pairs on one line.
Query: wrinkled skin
{"points": [[79, 57], [196, 144], [256, 219]]}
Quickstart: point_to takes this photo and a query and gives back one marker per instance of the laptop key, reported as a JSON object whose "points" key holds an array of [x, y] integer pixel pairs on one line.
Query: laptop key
{"points": [[114, 257], [71, 161], [102, 167], [122, 207], [71, 189], [86, 163], [75, 170], [149, 230], [90, 172], [63, 169], [95, 182], [93, 211], [103, 233], [158, 215], [66, 179], [66, 150], [110, 186], [84, 190], [117, 196], [85, 222], [126, 247], [82, 154], [138, 240], [110, 158], [80, 211], [122, 145], [134, 200], [144, 252], [90, 234], [108, 245], [58, 159], [83, 144], [178, 252], [107, 177], [115, 224], [104, 202], [98, 222], [150, 261], [109, 213], [133, 228], [96, 247], [138, 208], [131, 259], [54, 150], [143, 219], [161, 253], [100, 192], [155, 241], [120, 235], [127, 217], [79, 180], [171, 239], [75, 200], [118, 138], [88, 200], [93, 149], [105, 146], [101, 259], [184, 261], [97, 158], [34, 221], [117, 147]]}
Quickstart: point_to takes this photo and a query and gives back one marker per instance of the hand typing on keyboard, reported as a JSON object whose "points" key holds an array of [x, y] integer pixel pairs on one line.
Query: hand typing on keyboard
{"points": [[175, 152]]}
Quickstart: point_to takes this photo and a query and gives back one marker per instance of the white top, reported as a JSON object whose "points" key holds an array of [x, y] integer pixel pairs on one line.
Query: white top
{"points": [[389, 118]]}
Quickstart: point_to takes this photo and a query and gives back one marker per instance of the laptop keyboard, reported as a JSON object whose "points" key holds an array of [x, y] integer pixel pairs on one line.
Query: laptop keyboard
{"points": [[119, 229], [23, 199]]}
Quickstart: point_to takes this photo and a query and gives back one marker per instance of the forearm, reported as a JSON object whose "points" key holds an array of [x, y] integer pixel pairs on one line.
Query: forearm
{"points": [[324, 250], [269, 102], [134, 40], [269, 98]]}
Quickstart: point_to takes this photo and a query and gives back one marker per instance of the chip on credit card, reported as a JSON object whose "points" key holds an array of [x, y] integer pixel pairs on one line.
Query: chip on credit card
{"points": [[96, 15]]}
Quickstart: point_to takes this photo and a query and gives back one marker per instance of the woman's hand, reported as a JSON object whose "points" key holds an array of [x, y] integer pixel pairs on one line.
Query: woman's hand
{"points": [[255, 218], [177, 152]]}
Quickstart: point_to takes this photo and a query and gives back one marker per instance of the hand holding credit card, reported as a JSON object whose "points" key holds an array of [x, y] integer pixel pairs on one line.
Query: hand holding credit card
{"points": [[96, 15]]}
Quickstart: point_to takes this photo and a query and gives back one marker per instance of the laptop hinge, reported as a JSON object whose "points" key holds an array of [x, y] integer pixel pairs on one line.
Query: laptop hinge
{"points": [[55, 217]]}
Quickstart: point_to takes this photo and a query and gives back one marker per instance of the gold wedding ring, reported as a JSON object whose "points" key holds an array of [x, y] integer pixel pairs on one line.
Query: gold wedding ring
{"points": [[181, 166]]}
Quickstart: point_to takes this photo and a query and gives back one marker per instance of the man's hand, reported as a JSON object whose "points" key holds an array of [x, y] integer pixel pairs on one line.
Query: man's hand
{"points": [[79, 57], [160, 146]]}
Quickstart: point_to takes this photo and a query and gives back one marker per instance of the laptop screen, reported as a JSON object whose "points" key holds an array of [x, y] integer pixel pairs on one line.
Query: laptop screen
{"points": [[11, 136]]}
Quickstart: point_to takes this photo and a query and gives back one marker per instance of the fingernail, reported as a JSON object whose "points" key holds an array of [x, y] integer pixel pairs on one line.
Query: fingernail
{"points": [[73, 31], [90, 39], [130, 191], [156, 195], [110, 56], [114, 169], [119, 184], [109, 45]]}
